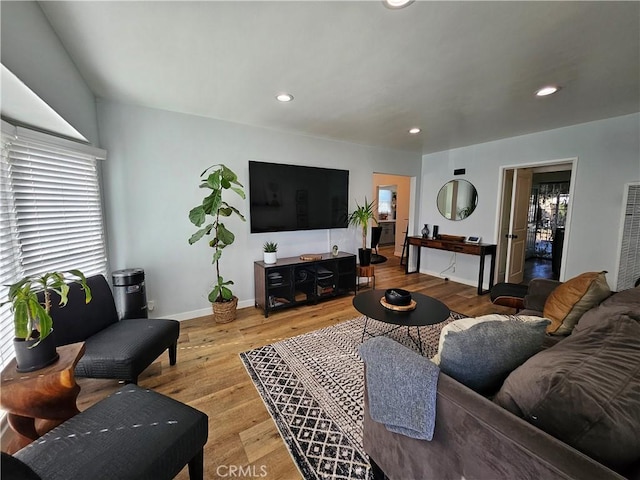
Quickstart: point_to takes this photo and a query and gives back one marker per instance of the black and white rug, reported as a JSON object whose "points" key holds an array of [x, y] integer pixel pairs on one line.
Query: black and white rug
{"points": [[312, 386]]}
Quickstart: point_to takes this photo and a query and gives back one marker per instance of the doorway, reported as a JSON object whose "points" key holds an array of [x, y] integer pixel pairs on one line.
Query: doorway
{"points": [[394, 204], [533, 222]]}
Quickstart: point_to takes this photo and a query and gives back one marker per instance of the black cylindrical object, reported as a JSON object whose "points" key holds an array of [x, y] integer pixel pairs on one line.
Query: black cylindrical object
{"points": [[435, 231], [129, 293]]}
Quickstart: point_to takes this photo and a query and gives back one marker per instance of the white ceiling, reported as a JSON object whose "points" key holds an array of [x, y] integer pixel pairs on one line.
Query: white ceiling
{"points": [[465, 72]]}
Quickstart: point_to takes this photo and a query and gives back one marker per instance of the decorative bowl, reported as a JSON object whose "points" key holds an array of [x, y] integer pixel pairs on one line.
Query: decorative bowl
{"points": [[397, 296]]}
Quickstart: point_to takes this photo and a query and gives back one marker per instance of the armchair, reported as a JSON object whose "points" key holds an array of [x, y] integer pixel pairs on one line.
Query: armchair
{"points": [[114, 349]]}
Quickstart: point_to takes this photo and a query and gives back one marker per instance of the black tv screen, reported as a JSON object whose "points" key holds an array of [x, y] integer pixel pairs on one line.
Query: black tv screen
{"points": [[294, 197]]}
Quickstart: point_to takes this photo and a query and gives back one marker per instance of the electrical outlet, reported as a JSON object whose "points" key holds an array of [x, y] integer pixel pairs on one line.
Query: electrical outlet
{"points": [[151, 305]]}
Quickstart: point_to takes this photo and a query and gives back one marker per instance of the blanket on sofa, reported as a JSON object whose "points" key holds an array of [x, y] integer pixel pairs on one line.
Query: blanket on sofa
{"points": [[401, 387]]}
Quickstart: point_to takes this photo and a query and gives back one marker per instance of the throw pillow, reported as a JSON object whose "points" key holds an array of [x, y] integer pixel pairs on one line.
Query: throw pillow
{"points": [[480, 352], [570, 300], [585, 391], [627, 302]]}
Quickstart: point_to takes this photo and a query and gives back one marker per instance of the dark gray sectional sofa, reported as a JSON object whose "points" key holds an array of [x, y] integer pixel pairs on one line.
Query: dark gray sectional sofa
{"points": [[571, 411]]}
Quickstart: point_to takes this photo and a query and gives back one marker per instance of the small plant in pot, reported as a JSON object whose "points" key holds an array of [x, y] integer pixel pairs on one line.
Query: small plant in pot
{"points": [[30, 300], [208, 216], [361, 217], [269, 251]]}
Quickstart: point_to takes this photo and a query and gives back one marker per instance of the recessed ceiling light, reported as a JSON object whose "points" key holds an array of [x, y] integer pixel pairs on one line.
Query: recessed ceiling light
{"points": [[414, 130], [284, 97], [548, 90], [394, 4]]}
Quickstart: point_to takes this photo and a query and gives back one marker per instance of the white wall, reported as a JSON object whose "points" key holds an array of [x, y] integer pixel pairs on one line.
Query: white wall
{"points": [[608, 153], [151, 182], [33, 52]]}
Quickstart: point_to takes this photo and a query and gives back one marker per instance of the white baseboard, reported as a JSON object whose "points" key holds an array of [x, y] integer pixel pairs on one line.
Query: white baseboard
{"points": [[464, 281], [203, 312]]}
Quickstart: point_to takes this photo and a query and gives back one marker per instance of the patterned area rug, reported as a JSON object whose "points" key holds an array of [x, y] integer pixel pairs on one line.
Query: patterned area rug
{"points": [[312, 386]]}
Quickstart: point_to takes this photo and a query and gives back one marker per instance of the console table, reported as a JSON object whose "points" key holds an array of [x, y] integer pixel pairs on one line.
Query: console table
{"points": [[292, 281], [480, 249], [47, 394]]}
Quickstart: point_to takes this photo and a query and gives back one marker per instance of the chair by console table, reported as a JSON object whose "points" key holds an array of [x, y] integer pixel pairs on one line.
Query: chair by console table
{"points": [[47, 394], [480, 249]]}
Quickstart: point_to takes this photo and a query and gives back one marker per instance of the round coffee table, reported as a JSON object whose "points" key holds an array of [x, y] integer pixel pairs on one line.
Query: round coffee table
{"points": [[428, 311]]}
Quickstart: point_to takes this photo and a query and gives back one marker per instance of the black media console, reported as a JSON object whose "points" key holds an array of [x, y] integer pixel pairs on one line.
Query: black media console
{"points": [[291, 281]]}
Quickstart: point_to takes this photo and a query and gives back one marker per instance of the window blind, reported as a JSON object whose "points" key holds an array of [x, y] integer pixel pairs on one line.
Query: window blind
{"points": [[629, 266], [50, 213]]}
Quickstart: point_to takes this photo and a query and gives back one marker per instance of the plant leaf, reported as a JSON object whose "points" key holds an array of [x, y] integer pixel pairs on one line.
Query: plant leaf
{"points": [[21, 320], [226, 293], [213, 295], [197, 215], [213, 180], [239, 191], [197, 236], [224, 235], [235, 210]]}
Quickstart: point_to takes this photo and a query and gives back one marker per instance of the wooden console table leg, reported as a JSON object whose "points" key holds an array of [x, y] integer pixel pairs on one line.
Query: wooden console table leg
{"points": [[481, 274], [493, 269]]}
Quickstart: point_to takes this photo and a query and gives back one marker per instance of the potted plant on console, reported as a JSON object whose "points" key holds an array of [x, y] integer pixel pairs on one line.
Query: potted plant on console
{"points": [[216, 179], [270, 250], [30, 300], [360, 217]]}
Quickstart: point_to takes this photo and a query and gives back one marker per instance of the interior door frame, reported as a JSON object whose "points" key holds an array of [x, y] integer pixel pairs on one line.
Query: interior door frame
{"points": [[502, 171]]}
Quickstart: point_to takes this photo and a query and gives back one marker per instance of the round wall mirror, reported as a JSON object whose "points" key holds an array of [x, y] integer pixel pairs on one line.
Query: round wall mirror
{"points": [[457, 199]]}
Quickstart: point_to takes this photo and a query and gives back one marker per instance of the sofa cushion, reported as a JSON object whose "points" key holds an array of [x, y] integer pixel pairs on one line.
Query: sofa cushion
{"points": [[585, 390], [627, 301], [77, 321], [480, 352], [570, 300]]}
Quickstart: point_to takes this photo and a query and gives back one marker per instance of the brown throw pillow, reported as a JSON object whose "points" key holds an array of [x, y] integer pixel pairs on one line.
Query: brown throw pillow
{"points": [[569, 301], [585, 390]]}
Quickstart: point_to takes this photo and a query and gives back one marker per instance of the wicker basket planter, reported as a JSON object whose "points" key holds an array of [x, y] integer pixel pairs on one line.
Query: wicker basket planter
{"points": [[225, 312]]}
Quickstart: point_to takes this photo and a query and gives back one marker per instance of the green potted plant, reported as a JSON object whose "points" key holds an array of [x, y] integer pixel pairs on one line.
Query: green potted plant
{"points": [[269, 251], [217, 179], [361, 217], [30, 300]]}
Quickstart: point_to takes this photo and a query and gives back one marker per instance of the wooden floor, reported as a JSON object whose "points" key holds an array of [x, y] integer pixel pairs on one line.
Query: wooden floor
{"points": [[243, 440]]}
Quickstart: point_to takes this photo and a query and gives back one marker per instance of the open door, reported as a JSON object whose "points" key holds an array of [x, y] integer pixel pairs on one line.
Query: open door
{"points": [[505, 216], [518, 222]]}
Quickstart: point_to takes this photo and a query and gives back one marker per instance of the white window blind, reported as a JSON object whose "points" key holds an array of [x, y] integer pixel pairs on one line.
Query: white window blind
{"points": [[629, 266], [50, 213]]}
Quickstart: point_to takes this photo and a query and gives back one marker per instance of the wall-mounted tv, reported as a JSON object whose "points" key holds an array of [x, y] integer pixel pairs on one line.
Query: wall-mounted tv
{"points": [[294, 197]]}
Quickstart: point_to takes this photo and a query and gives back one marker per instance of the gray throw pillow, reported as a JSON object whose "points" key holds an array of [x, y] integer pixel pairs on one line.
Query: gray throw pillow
{"points": [[481, 352]]}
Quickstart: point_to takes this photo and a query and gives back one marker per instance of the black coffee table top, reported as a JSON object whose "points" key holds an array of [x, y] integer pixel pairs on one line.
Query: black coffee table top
{"points": [[428, 311]]}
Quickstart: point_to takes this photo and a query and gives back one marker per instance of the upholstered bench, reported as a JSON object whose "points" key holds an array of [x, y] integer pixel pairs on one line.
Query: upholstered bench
{"points": [[509, 295], [132, 434]]}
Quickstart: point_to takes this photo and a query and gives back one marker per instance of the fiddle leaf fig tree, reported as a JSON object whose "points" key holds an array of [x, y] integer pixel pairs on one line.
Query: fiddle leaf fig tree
{"points": [[208, 217]]}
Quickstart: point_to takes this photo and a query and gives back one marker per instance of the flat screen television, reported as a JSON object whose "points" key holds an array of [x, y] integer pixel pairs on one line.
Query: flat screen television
{"points": [[294, 197]]}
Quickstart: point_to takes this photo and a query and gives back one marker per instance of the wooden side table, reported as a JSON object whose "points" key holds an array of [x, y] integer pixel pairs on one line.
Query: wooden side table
{"points": [[368, 272], [47, 394]]}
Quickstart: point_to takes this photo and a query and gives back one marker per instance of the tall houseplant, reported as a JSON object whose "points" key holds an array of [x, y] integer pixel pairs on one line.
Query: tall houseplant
{"points": [[210, 213], [361, 217], [30, 300]]}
